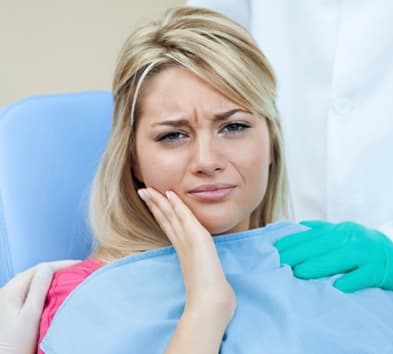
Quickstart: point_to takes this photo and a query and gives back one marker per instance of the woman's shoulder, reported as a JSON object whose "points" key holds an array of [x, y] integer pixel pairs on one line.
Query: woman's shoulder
{"points": [[65, 280], [63, 283], [75, 273]]}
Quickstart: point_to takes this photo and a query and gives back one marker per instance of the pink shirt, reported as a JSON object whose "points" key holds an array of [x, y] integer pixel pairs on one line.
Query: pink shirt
{"points": [[64, 281]]}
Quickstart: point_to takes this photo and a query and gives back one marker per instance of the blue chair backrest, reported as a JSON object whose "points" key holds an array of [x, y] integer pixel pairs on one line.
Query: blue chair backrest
{"points": [[50, 148]]}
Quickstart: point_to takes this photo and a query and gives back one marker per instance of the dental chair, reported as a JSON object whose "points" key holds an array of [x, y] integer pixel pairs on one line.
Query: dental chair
{"points": [[50, 148]]}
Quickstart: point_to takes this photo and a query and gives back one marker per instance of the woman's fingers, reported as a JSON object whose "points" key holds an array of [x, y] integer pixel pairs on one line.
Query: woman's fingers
{"points": [[186, 217], [174, 217], [190, 239], [162, 212], [177, 221]]}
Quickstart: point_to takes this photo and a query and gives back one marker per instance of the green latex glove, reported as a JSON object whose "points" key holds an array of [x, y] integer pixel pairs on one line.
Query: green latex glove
{"points": [[364, 255]]}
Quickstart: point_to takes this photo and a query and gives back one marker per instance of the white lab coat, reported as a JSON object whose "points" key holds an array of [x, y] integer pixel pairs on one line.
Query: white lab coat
{"points": [[334, 64]]}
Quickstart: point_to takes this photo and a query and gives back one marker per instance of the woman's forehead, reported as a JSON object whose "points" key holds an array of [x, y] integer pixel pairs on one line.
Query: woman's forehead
{"points": [[178, 93]]}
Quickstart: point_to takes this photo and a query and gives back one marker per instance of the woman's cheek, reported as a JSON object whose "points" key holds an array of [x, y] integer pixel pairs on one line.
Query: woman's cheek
{"points": [[161, 174]]}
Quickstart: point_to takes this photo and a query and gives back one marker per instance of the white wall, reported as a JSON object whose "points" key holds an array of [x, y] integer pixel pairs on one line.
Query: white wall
{"points": [[49, 46]]}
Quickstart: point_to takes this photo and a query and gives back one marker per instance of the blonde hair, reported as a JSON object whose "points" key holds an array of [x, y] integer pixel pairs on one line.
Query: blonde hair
{"points": [[223, 54]]}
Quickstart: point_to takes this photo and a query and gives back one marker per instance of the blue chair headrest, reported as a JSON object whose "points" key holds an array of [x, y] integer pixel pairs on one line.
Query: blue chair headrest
{"points": [[50, 148]]}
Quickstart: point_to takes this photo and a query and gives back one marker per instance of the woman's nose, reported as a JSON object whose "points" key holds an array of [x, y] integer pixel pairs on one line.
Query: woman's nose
{"points": [[207, 157]]}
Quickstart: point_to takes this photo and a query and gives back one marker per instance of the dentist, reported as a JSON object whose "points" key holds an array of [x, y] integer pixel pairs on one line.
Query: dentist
{"points": [[334, 65]]}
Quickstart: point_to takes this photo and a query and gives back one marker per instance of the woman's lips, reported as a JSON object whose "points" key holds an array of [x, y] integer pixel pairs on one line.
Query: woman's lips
{"points": [[212, 195]]}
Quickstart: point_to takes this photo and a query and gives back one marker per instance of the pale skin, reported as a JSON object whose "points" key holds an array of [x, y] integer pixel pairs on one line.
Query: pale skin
{"points": [[182, 143], [196, 148], [210, 300]]}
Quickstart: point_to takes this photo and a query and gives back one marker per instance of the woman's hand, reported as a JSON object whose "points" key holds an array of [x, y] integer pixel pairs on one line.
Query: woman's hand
{"points": [[21, 303], [210, 300]]}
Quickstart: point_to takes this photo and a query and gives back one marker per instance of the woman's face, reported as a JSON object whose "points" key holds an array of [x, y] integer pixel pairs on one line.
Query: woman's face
{"points": [[207, 149]]}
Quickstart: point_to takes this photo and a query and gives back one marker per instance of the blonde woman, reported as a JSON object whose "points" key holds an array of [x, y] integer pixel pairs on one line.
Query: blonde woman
{"points": [[219, 160], [194, 152]]}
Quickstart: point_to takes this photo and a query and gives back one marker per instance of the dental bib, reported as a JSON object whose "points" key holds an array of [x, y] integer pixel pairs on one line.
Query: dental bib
{"points": [[133, 305]]}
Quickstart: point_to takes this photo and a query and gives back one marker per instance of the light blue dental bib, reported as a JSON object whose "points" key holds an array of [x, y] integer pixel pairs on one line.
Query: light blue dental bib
{"points": [[133, 306]]}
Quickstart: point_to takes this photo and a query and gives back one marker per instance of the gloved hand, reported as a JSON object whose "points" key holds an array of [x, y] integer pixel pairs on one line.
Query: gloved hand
{"points": [[21, 303], [364, 255]]}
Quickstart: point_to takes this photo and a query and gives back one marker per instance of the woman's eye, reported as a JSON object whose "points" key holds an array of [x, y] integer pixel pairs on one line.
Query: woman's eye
{"points": [[234, 128], [171, 137]]}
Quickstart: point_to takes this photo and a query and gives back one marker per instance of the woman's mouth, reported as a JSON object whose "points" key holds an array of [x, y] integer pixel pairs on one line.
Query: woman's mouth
{"points": [[212, 192]]}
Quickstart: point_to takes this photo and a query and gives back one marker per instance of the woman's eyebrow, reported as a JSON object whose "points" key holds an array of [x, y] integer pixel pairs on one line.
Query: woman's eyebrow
{"points": [[216, 118], [224, 115]]}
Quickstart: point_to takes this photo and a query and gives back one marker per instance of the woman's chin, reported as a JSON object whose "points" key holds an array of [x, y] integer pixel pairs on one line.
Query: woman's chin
{"points": [[216, 229], [218, 222]]}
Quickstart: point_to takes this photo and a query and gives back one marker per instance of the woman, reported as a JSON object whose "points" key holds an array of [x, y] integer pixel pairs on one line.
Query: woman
{"points": [[195, 151], [220, 158]]}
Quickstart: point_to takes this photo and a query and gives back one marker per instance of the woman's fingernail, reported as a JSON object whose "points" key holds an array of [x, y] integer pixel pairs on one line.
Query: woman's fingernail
{"points": [[142, 193]]}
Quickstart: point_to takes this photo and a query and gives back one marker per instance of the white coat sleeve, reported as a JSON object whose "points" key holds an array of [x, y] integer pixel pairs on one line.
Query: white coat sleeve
{"points": [[238, 10], [387, 229]]}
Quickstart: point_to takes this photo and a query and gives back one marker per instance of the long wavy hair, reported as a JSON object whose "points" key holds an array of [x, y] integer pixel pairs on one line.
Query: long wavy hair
{"points": [[223, 54]]}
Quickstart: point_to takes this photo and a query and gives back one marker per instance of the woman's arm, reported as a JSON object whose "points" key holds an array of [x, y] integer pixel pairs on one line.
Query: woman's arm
{"points": [[210, 301], [21, 303], [199, 332]]}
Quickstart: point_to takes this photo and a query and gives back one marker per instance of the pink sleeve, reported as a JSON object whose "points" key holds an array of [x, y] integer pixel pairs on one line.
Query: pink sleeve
{"points": [[63, 283]]}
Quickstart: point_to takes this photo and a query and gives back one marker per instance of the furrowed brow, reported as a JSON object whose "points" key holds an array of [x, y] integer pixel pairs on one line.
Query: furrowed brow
{"points": [[173, 123], [225, 115], [184, 122]]}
